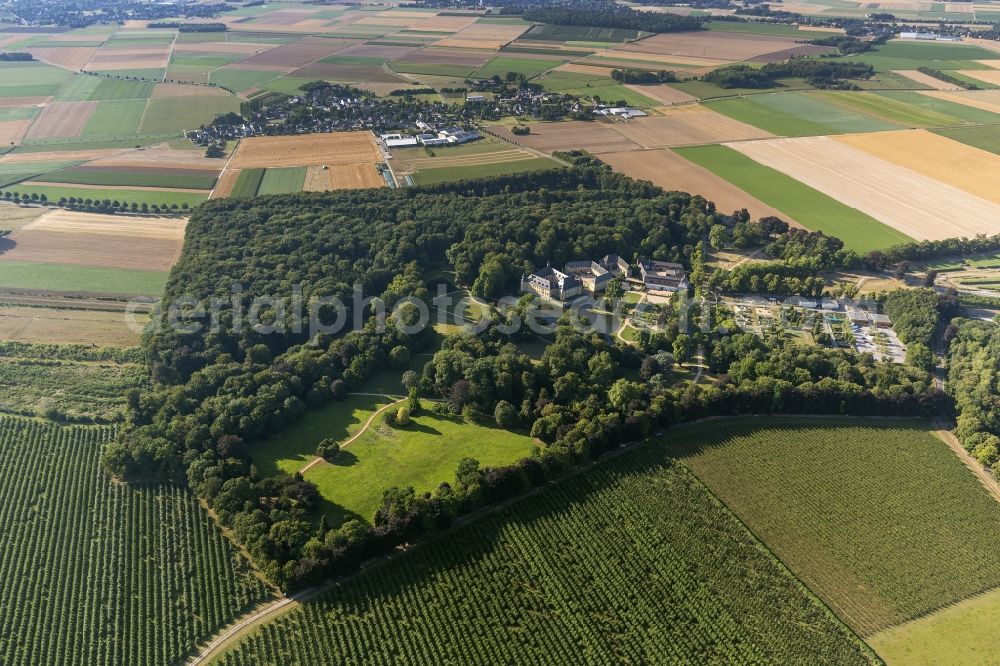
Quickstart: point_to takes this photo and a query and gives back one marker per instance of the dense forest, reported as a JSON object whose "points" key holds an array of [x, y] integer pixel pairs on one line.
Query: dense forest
{"points": [[973, 368], [819, 73], [218, 392]]}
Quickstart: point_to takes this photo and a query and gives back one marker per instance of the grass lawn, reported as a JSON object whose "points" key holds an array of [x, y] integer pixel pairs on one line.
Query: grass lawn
{"points": [[878, 518], [158, 197], [448, 174], [183, 113], [62, 277], [116, 119], [984, 138], [422, 455], [798, 114], [247, 183], [962, 633], [282, 180], [290, 450], [815, 210]]}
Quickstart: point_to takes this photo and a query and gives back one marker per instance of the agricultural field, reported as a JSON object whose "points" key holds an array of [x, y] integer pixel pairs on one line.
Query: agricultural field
{"points": [[146, 560], [854, 171], [910, 535], [486, 157], [311, 162], [646, 556], [808, 206]]}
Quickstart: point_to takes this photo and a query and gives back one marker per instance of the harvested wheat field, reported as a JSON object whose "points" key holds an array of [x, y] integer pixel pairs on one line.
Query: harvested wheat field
{"points": [[987, 75], [690, 124], [596, 137], [354, 176], [170, 90], [306, 150], [914, 204], [623, 58], [722, 46], [672, 172], [61, 120], [482, 35], [50, 325], [416, 160], [88, 239], [987, 100], [11, 131], [224, 186], [926, 79], [58, 156], [6, 102], [67, 57], [970, 169], [663, 94]]}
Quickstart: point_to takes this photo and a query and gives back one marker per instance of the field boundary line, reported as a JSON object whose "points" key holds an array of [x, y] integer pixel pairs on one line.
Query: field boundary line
{"points": [[225, 168]]}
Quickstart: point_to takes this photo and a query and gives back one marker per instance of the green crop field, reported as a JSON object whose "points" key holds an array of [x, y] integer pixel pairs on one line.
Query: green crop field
{"points": [[447, 174], [911, 55], [116, 119], [802, 203], [282, 180], [30, 79], [432, 69], [965, 629], [47, 145], [962, 113], [984, 138], [585, 85], [798, 114], [911, 109], [706, 90], [630, 562], [247, 183], [95, 89], [880, 519], [530, 67], [238, 80], [97, 572], [578, 33], [422, 455], [150, 196], [90, 176], [182, 113], [63, 277], [755, 28]]}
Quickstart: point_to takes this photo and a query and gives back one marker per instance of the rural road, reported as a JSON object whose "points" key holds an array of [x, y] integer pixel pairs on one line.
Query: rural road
{"points": [[985, 477], [231, 633], [317, 460]]}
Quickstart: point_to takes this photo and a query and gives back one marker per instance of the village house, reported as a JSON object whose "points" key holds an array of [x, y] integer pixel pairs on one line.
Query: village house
{"points": [[662, 275], [592, 275], [550, 283]]}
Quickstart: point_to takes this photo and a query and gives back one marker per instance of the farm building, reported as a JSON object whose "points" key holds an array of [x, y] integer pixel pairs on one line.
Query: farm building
{"points": [[550, 283], [398, 140], [591, 274], [662, 275]]}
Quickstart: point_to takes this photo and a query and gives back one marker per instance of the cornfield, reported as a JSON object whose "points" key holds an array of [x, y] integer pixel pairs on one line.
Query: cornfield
{"points": [[96, 572], [633, 562]]}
